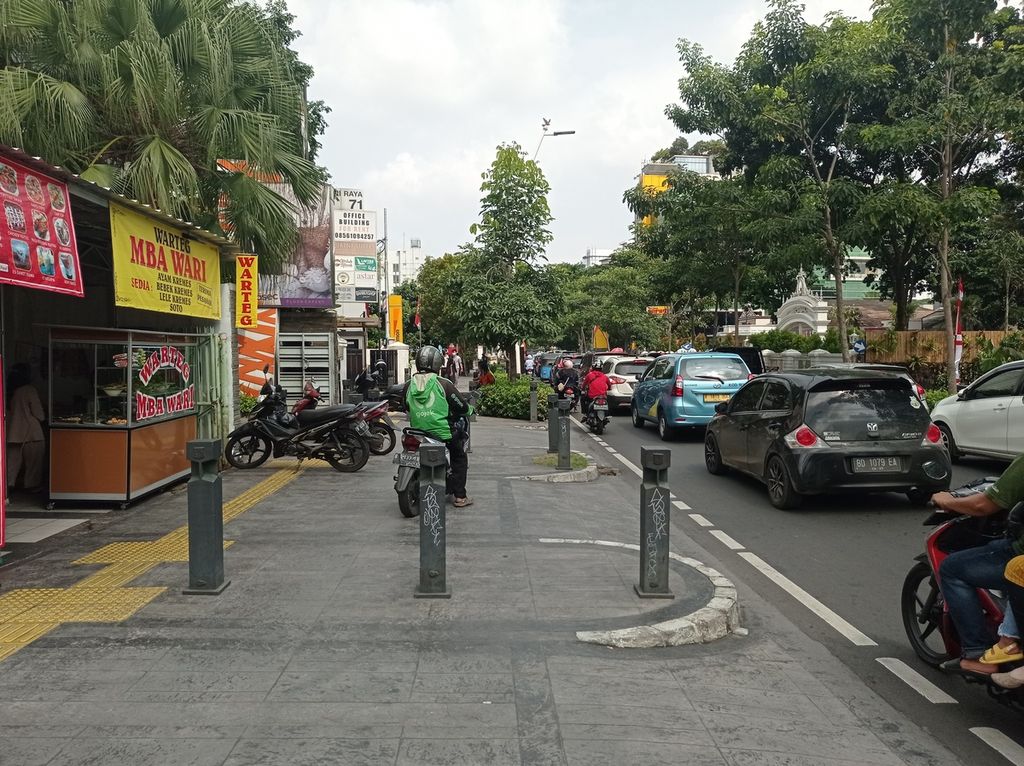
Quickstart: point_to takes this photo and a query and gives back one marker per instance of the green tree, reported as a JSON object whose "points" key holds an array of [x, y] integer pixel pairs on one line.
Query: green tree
{"points": [[793, 91], [680, 146], [147, 97]]}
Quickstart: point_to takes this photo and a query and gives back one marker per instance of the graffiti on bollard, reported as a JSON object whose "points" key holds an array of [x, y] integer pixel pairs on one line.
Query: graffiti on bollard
{"points": [[654, 524]]}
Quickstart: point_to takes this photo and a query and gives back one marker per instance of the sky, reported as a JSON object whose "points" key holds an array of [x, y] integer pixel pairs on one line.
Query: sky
{"points": [[423, 91]]}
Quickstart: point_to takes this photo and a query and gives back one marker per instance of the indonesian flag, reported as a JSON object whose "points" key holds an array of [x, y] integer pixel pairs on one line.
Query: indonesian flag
{"points": [[959, 343], [416, 319]]}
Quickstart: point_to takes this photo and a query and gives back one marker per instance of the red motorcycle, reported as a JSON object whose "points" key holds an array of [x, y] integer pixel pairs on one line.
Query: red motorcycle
{"points": [[309, 399], [926, 617]]}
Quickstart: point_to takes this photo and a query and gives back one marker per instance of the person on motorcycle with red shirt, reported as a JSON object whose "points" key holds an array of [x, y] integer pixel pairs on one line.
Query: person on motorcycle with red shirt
{"points": [[595, 383]]}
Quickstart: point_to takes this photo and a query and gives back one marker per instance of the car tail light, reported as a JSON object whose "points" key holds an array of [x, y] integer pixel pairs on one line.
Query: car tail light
{"points": [[920, 390], [677, 387], [410, 443], [933, 435], [804, 437], [751, 376], [616, 380]]}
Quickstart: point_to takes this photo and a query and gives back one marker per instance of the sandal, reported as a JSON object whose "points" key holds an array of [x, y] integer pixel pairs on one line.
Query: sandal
{"points": [[462, 502], [997, 655]]}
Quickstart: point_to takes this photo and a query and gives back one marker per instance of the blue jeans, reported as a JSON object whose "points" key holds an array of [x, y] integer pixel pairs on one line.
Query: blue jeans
{"points": [[961, 574]]}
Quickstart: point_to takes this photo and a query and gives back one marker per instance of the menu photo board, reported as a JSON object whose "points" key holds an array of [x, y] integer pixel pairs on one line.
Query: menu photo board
{"points": [[37, 236]]}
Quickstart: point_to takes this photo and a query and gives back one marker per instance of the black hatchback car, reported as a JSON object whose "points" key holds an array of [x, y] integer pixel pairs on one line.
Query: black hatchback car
{"points": [[825, 430]]}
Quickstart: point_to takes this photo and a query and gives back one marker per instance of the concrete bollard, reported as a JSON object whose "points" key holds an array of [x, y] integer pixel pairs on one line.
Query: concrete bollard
{"points": [[654, 523], [564, 455], [433, 536], [205, 520], [552, 425], [533, 400]]}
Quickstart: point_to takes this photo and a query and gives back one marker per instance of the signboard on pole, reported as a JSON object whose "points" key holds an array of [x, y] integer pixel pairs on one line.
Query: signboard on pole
{"points": [[37, 236], [657, 311], [246, 291], [354, 245], [396, 324], [159, 268]]}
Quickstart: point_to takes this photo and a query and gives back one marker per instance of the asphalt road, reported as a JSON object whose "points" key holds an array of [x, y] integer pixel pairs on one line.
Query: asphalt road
{"points": [[851, 553]]}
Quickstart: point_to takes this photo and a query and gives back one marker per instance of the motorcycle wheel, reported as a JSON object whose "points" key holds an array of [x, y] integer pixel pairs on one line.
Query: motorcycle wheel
{"points": [[409, 499], [598, 428], [922, 607], [381, 439], [353, 454], [247, 450]]}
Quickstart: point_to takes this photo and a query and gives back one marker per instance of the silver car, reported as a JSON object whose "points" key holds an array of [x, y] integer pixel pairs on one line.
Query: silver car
{"points": [[623, 371]]}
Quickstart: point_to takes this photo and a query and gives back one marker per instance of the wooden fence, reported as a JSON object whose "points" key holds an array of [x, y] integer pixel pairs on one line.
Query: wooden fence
{"points": [[925, 346]]}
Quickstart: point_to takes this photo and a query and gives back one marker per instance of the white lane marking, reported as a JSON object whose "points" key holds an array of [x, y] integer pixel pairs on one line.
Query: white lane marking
{"points": [[916, 681], [681, 505], [727, 541], [1002, 744], [701, 521], [834, 620]]}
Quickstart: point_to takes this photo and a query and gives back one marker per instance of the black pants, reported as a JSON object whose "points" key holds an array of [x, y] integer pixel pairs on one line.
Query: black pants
{"points": [[460, 466]]}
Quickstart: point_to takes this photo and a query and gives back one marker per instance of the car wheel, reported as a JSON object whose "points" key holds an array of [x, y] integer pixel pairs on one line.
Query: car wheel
{"points": [[949, 443], [780, 486], [713, 456], [665, 431], [638, 422], [919, 497]]}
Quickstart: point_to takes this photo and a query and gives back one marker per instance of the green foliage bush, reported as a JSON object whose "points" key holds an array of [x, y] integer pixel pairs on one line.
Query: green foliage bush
{"points": [[246, 403], [780, 340], [506, 399], [1010, 349], [935, 395]]}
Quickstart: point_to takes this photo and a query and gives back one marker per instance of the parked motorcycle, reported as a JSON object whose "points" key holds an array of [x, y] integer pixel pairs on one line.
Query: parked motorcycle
{"points": [[382, 430], [337, 435], [310, 397], [926, 618], [407, 480], [597, 414]]}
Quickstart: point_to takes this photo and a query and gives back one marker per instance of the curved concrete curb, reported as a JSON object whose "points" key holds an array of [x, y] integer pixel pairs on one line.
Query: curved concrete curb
{"points": [[590, 473], [716, 619]]}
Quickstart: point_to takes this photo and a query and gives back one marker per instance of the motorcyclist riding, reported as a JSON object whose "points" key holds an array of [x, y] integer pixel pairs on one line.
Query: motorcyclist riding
{"points": [[595, 384], [567, 380], [372, 377], [437, 407], [961, 573]]}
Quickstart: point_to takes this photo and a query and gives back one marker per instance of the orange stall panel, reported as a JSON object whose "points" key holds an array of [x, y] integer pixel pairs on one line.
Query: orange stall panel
{"points": [[158, 454], [88, 464]]}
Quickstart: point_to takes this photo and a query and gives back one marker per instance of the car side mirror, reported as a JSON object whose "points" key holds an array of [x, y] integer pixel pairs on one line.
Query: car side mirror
{"points": [[722, 407]]}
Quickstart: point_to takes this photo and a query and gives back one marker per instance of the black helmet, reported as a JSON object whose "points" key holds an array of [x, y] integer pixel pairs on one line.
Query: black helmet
{"points": [[428, 359]]}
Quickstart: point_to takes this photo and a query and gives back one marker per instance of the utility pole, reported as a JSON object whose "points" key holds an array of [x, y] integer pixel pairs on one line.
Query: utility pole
{"points": [[382, 282]]}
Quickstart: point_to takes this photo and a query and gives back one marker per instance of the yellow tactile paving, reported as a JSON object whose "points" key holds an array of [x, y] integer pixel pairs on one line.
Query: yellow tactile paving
{"points": [[27, 614]]}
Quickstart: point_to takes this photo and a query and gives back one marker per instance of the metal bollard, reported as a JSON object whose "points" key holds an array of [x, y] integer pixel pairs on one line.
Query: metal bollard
{"points": [[433, 537], [533, 400], [654, 524], [552, 417], [205, 520], [564, 455]]}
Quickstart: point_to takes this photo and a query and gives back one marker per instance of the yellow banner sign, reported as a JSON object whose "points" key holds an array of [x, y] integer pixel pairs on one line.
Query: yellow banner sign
{"points": [[246, 291], [658, 311], [396, 326], [157, 268]]}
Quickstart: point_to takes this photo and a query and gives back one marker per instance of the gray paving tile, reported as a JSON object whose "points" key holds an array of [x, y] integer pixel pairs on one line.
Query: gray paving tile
{"points": [[459, 752], [624, 691], [207, 680], [143, 752], [608, 713], [463, 687], [342, 686], [29, 751], [755, 703], [582, 752], [761, 758], [313, 752]]}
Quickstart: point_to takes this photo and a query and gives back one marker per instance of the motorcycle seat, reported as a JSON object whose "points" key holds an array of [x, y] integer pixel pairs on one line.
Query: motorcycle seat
{"points": [[322, 415]]}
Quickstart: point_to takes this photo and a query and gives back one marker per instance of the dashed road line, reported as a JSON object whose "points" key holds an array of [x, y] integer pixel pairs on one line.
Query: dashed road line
{"points": [[916, 681], [834, 620], [727, 541], [681, 505], [1002, 744], [700, 520]]}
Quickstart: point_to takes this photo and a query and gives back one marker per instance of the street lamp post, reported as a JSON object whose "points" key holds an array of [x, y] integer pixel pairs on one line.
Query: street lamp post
{"points": [[545, 125]]}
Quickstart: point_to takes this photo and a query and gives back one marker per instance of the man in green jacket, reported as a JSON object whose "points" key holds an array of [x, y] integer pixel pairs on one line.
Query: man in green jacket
{"points": [[437, 407]]}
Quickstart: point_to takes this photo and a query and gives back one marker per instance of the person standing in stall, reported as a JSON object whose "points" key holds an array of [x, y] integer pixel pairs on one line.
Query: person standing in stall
{"points": [[26, 443]]}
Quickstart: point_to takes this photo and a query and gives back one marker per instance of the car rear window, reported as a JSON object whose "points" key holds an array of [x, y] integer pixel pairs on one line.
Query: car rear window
{"points": [[709, 367], [631, 368], [861, 410]]}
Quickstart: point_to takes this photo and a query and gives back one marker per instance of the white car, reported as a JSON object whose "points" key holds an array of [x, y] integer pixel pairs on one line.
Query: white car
{"points": [[987, 417], [623, 372]]}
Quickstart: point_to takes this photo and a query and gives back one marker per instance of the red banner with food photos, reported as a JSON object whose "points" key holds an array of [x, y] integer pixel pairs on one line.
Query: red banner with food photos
{"points": [[37, 237]]}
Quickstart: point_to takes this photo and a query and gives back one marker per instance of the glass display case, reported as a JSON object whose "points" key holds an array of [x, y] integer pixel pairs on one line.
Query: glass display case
{"points": [[122, 407]]}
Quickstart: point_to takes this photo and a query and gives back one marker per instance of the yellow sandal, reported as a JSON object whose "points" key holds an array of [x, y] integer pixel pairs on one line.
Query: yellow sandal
{"points": [[997, 655]]}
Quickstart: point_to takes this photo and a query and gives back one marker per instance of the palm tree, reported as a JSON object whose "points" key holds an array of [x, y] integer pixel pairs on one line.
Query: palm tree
{"points": [[146, 96]]}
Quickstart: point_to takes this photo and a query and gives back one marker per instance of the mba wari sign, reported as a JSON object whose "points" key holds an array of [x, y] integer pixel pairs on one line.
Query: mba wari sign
{"points": [[157, 268], [246, 292]]}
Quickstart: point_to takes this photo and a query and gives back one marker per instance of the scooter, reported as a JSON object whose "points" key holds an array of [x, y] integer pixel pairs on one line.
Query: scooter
{"points": [[382, 430], [310, 397], [597, 414], [337, 435], [407, 479], [926, 618]]}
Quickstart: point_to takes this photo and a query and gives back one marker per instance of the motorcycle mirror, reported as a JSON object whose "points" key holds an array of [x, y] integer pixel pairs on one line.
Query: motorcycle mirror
{"points": [[266, 369]]}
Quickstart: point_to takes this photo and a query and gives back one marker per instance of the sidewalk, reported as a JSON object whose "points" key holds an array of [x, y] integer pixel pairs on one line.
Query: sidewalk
{"points": [[318, 653]]}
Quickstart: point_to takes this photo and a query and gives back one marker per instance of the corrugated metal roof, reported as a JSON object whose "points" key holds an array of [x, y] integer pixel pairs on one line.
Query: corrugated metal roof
{"points": [[72, 179]]}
